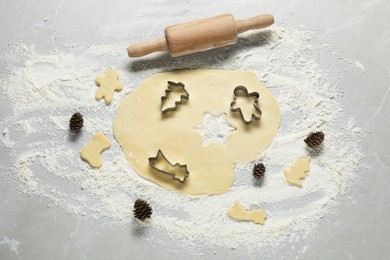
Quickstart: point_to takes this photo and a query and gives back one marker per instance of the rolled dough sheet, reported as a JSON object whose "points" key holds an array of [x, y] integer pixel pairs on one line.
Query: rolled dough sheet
{"points": [[142, 130]]}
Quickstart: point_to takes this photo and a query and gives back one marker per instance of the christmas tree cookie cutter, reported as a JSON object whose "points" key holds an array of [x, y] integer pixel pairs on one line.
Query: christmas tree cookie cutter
{"points": [[172, 86], [161, 164], [238, 92]]}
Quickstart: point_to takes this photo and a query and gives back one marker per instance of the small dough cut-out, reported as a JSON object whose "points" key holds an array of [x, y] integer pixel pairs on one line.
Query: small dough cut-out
{"points": [[141, 129], [239, 213], [297, 171], [162, 165], [108, 84], [92, 150]]}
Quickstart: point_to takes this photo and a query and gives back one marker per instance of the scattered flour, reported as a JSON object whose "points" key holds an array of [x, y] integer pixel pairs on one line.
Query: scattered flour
{"points": [[11, 243], [360, 66], [44, 90]]}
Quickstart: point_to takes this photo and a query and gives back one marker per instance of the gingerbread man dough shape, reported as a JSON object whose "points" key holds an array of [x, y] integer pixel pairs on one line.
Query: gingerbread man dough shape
{"points": [[108, 83]]}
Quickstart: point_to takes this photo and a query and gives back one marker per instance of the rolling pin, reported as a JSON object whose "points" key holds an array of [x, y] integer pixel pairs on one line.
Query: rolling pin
{"points": [[204, 34]]}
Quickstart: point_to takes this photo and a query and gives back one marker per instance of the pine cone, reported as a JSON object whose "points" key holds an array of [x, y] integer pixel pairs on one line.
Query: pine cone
{"points": [[314, 139], [258, 171], [142, 210], [76, 122]]}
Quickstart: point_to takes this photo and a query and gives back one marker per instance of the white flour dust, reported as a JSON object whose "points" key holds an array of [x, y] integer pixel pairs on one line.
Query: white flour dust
{"points": [[44, 90], [11, 243]]}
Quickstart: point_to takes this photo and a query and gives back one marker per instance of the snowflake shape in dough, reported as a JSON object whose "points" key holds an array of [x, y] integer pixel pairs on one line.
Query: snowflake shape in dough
{"points": [[214, 128]]}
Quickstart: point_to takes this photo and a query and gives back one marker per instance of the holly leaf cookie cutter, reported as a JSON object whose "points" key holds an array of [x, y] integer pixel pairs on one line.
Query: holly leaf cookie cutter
{"points": [[173, 86], [161, 164], [240, 91]]}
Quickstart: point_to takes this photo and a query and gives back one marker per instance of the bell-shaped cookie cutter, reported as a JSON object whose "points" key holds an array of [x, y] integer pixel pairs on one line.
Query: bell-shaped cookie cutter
{"points": [[171, 86], [160, 156], [256, 96]]}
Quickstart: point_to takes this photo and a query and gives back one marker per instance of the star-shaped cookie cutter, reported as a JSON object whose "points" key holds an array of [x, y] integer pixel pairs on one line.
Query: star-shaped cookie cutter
{"points": [[256, 96], [171, 86], [160, 156]]}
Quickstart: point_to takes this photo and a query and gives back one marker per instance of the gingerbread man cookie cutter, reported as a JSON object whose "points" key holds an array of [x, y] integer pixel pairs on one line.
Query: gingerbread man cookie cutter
{"points": [[169, 168], [238, 91], [171, 87]]}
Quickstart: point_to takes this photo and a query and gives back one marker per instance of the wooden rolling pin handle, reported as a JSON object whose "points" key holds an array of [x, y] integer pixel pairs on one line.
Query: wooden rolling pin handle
{"points": [[144, 48], [257, 22]]}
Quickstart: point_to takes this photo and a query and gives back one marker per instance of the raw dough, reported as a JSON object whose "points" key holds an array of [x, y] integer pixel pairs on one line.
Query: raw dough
{"points": [[92, 150], [297, 171], [238, 212], [142, 130], [108, 83]]}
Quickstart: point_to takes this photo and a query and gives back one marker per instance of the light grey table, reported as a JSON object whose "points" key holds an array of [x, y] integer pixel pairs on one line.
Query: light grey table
{"points": [[358, 30]]}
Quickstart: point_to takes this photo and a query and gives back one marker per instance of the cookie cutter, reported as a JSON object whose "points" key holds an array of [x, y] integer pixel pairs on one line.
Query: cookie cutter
{"points": [[171, 86], [236, 94], [160, 155]]}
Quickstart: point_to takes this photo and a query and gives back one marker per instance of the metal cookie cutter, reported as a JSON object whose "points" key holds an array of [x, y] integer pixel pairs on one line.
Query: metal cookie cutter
{"points": [[168, 168], [171, 86], [254, 95]]}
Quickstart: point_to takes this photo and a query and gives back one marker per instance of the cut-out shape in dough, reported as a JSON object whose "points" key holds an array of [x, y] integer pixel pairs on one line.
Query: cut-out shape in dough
{"points": [[143, 133], [92, 150], [297, 171], [174, 96], [238, 212], [162, 164], [108, 84], [245, 104], [214, 128]]}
